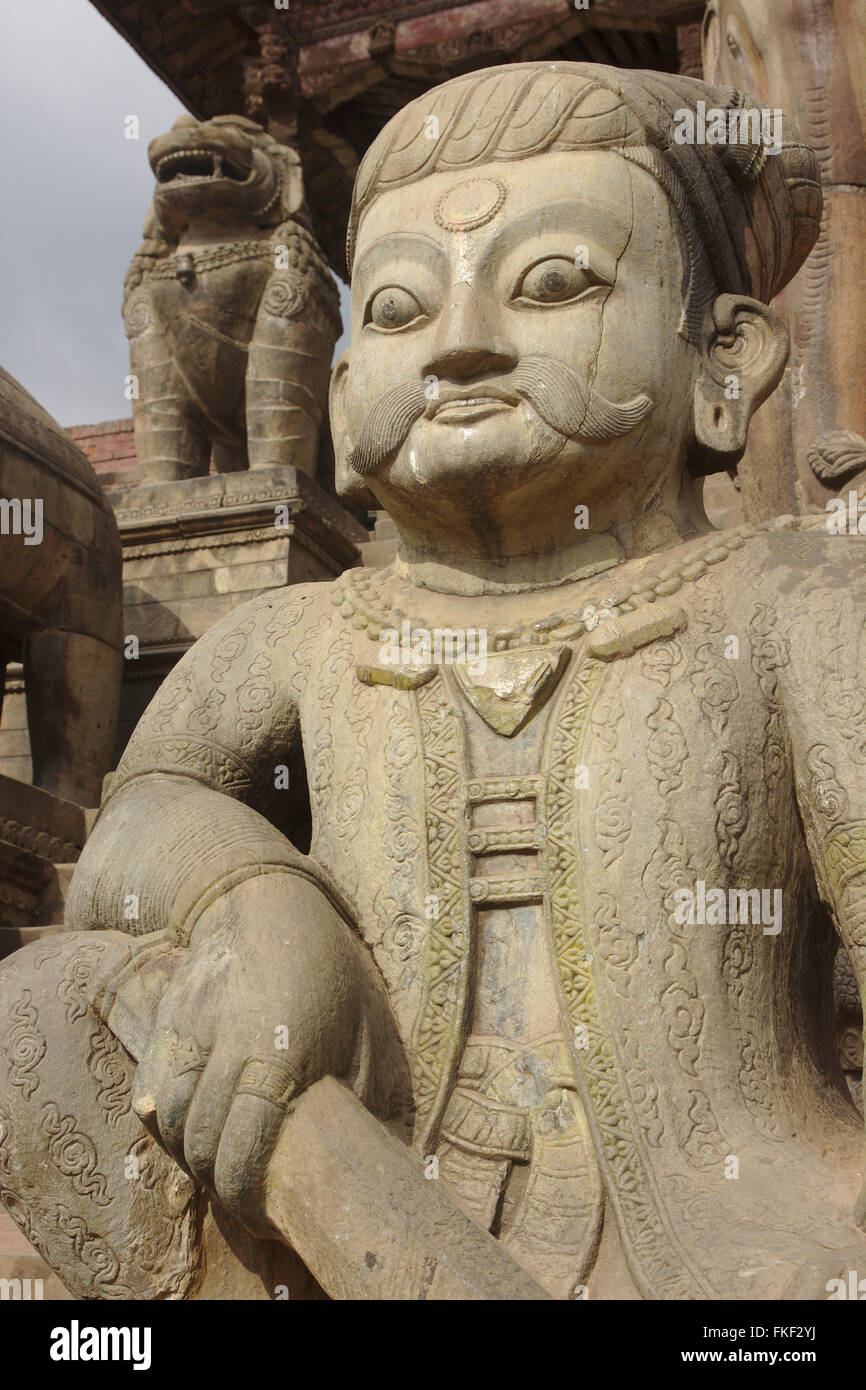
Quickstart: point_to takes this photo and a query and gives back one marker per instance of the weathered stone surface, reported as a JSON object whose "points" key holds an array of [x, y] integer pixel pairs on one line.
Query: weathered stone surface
{"points": [[808, 443], [60, 601], [15, 759], [399, 1237], [535, 840], [230, 310]]}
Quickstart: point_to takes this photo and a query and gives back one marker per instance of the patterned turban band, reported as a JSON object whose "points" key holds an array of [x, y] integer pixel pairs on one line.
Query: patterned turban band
{"points": [[757, 213]]}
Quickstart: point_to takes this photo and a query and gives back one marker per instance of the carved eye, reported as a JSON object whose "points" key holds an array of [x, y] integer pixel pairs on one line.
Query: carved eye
{"points": [[554, 281], [393, 308]]}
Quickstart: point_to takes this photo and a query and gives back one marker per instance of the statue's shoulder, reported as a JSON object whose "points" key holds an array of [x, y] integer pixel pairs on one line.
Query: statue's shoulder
{"points": [[296, 612], [295, 608], [278, 619], [792, 558], [795, 575]]}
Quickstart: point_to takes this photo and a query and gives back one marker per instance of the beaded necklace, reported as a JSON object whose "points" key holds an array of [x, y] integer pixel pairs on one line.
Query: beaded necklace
{"points": [[353, 596]]}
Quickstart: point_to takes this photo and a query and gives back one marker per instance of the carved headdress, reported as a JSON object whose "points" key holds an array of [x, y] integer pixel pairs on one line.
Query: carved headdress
{"points": [[757, 213]]}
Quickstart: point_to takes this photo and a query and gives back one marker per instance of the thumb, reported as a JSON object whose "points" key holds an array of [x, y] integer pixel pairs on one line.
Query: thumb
{"points": [[127, 992]]}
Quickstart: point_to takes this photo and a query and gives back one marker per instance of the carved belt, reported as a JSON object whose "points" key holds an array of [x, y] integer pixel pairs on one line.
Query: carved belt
{"points": [[515, 1104], [506, 1092]]}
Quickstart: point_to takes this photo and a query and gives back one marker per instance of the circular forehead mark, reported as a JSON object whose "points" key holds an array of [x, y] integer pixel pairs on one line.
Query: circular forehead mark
{"points": [[469, 204]]}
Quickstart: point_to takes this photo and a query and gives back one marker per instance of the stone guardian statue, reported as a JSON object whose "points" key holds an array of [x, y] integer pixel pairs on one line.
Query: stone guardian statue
{"points": [[230, 309], [587, 778]]}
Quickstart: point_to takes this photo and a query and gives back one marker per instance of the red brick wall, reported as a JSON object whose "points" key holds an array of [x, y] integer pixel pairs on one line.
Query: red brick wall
{"points": [[111, 449]]}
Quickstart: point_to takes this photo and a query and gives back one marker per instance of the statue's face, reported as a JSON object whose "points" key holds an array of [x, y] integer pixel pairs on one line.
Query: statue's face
{"points": [[487, 304], [210, 167]]}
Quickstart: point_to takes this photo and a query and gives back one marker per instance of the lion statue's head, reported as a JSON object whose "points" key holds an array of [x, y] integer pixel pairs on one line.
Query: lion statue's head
{"points": [[226, 167]]}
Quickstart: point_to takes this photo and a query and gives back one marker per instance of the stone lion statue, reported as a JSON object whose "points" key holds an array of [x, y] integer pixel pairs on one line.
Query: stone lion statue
{"points": [[230, 309]]}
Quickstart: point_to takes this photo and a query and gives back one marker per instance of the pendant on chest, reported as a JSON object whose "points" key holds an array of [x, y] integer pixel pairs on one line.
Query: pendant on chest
{"points": [[508, 688]]}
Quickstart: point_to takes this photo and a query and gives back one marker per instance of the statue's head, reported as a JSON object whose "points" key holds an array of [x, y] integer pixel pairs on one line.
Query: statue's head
{"points": [[554, 298], [225, 168], [758, 44]]}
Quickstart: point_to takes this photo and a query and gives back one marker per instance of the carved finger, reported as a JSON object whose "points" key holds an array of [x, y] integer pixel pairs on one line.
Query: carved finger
{"points": [[263, 1096], [176, 1093], [207, 1115]]}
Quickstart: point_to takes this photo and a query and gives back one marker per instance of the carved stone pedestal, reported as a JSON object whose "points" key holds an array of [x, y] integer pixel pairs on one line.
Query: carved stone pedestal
{"points": [[41, 837], [193, 550]]}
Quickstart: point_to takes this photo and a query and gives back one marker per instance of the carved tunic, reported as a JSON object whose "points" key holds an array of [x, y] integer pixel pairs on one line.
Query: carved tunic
{"points": [[580, 1055]]}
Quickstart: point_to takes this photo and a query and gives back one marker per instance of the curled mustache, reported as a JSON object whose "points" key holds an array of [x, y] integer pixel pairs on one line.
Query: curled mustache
{"points": [[569, 406], [554, 391], [386, 426]]}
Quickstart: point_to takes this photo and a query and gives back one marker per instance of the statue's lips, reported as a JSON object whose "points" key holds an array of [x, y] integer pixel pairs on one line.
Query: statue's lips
{"points": [[203, 164], [462, 409]]}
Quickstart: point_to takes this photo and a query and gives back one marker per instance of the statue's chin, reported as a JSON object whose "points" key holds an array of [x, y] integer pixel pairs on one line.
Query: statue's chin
{"points": [[481, 457]]}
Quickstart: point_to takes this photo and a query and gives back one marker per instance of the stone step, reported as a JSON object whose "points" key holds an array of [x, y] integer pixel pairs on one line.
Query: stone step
{"points": [[42, 914], [52, 900]]}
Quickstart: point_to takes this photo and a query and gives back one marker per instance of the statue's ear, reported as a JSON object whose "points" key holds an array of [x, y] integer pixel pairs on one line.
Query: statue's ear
{"points": [[350, 485], [743, 356]]}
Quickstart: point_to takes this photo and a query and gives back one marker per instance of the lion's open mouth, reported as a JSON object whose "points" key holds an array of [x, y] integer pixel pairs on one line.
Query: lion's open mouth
{"points": [[194, 165]]}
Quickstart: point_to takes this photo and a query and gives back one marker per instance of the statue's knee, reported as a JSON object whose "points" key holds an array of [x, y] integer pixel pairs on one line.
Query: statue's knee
{"points": [[78, 1173], [53, 1047]]}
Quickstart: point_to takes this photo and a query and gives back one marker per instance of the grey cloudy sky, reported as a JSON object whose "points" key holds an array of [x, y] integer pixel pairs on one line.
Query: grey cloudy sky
{"points": [[75, 195]]}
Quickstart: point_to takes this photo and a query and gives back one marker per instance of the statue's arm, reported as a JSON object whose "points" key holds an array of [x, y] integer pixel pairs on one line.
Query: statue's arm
{"points": [[821, 669], [268, 986], [209, 784]]}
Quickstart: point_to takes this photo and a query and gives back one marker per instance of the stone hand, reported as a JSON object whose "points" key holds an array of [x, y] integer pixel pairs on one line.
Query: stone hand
{"points": [[275, 992]]}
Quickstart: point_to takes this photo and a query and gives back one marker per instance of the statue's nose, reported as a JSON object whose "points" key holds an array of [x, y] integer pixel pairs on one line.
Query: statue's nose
{"points": [[465, 344]]}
